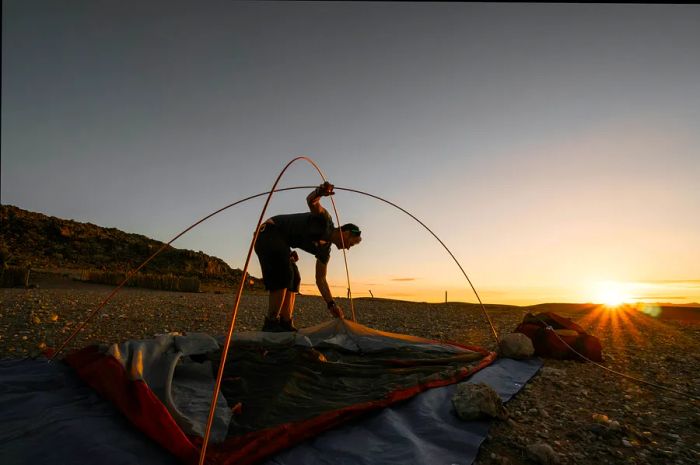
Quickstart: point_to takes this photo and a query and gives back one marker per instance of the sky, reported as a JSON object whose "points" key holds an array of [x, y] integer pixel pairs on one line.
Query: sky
{"points": [[553, 148]]}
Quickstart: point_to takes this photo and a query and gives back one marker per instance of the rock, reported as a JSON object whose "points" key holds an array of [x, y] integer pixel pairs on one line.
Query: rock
{"points": [[542, 453], [598, 430], [517, 346], [474, 401]]}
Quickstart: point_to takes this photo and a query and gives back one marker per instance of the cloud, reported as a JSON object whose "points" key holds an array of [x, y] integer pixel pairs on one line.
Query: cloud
{"points": [[332, 286], [660, 297], [403, 279]]}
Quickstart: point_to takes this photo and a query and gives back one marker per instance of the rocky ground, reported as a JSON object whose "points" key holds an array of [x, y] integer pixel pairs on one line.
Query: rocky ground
{"points": [[584, 413]]}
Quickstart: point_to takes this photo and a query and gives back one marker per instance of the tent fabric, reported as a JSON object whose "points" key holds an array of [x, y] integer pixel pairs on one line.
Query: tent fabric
{"points": [[155, 361], [49, 416], [133, 399], [422, 431], [553, 336], [285, 387]]}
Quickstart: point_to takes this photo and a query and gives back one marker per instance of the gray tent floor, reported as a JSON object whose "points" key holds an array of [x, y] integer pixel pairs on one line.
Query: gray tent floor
{"points": [[422, 431], [48, 415]]}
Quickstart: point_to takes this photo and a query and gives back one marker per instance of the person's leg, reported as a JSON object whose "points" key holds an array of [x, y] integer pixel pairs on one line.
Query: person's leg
{"points": [[276, 303], [286, 322], [273, 253], [287, 310]]}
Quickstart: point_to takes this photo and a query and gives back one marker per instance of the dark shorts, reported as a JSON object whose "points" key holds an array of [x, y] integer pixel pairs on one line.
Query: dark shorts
{"points": [[279, 271]]}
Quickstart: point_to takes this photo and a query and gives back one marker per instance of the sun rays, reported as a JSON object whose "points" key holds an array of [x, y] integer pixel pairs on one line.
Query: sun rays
{"points": [[613, 294], [621, 325]]}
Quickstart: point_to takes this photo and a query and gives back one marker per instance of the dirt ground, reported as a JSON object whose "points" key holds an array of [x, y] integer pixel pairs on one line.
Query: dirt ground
{"points": [[585, 413]]}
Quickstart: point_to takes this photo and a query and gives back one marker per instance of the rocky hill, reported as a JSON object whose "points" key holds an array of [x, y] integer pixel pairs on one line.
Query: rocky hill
{"points": [[47, 242]]}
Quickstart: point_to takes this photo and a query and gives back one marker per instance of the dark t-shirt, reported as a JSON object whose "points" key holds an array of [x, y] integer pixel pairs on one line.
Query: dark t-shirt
{"points": [[305, 231]]}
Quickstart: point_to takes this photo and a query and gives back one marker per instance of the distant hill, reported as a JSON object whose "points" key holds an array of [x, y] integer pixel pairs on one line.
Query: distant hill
{"points": [[48, 242]]}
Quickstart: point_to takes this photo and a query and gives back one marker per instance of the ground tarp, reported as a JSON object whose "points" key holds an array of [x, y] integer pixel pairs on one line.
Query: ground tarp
{"points": [[423, 431]]}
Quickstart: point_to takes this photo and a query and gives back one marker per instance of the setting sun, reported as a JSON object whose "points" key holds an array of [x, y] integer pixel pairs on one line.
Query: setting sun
{"points": [[612, 294], [613, 299]]}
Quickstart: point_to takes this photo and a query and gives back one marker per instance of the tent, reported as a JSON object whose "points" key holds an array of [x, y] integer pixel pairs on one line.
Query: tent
{"points": [[281, 396], [279, 391]]}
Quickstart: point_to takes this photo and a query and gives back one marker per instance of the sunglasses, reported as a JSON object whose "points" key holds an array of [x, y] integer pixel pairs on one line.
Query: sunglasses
{"points": [[354, 231]]}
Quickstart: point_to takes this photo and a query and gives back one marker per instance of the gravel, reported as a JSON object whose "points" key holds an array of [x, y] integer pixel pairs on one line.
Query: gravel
{"points": [[580, 411]]}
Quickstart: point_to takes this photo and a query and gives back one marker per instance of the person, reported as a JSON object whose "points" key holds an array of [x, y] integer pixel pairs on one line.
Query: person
{"points": [[312, 232]]}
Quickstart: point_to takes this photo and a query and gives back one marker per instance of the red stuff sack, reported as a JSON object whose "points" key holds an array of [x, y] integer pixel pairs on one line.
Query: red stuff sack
{"points": [[554, 336]]}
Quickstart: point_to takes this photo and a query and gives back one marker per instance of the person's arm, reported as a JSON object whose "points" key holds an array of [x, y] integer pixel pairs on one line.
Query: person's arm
{"points": [[321, 282], [325, 291], [313, 200]]}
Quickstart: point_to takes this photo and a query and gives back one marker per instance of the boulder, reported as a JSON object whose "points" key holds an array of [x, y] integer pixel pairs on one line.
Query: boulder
{"points": [[475, 401], [517, 346], [543, 454]]}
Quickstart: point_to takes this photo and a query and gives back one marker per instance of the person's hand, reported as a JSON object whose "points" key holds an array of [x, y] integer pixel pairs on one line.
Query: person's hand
{"points": [[336, 311], [294, 256], [326, 189]]}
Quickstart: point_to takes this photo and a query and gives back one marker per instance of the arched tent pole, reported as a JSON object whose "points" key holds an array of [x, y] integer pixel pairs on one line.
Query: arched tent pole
{"points": [[197, 223], [345, 260], [483, 308], [227, 344], [238, 296]]}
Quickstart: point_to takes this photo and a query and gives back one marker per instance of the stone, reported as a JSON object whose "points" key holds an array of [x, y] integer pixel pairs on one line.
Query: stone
{"points": [[598, 430], [543, 453], [475, 401], [516, 346]]}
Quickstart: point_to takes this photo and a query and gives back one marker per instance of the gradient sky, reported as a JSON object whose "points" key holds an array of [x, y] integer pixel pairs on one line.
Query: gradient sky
{"points": [[553, 147]]}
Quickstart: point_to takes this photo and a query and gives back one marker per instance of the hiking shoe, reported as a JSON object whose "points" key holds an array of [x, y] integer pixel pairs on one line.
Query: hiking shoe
{"points": [[272, 325], [287, 325]]}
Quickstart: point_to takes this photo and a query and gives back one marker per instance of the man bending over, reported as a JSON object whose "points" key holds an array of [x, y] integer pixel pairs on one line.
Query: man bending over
{"points": [[312, 232]]}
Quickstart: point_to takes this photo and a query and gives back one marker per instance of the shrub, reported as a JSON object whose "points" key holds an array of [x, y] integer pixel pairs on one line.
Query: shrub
{"points": [[189, 284], [167, 282], [13, 276]]}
